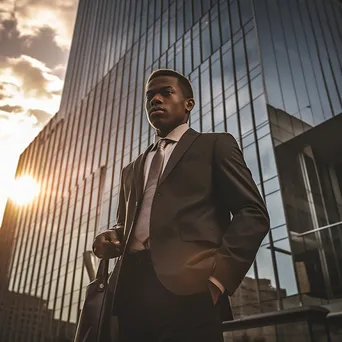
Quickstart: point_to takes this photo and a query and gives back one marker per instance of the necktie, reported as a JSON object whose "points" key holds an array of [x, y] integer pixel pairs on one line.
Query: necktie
{"points": [[142, 227]]}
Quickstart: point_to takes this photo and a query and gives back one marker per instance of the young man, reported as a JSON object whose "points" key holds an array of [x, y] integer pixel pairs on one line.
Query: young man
{"points": [[183, 253]]}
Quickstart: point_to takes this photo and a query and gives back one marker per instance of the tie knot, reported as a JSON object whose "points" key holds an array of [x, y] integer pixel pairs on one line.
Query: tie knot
{"points": [[163, 142]]}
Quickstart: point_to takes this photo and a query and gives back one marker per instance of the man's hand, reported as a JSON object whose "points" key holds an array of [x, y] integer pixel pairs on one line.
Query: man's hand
{"points": [[214, 291], [107, 245]]}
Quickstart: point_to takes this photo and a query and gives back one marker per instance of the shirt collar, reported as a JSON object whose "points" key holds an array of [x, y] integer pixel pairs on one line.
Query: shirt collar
{"points": [[174, 135]]}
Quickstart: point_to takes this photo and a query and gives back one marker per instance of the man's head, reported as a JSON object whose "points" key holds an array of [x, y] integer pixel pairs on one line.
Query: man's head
{"points": [[169, 100]]}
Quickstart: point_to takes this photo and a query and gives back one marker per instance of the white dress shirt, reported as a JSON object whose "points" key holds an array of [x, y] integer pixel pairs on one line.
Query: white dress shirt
{"points": [[175, 136]]}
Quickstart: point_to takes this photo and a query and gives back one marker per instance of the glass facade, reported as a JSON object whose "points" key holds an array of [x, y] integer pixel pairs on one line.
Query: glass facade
{"points": [[266, 71]]}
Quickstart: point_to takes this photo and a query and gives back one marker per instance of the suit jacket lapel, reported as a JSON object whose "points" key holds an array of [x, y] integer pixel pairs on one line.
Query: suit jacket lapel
{"points": [[182, 146], [138, 168]]}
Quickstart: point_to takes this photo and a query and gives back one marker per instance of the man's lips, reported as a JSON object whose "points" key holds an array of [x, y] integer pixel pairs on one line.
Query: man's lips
{"points": [[157, 111]]}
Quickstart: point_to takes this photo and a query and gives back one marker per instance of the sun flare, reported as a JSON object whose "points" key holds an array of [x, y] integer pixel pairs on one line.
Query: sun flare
{"points": [[24, 190]]}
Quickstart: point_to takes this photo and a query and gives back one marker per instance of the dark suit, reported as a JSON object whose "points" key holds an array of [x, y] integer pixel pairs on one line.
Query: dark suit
{"points": [[192, 235]]}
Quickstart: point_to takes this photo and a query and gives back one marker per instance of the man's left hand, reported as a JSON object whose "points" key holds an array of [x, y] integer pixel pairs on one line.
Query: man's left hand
{"points": [[214, 291]]}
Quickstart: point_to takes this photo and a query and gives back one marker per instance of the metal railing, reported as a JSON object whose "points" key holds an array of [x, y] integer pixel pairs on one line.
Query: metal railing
{"points": [[318, 252]]}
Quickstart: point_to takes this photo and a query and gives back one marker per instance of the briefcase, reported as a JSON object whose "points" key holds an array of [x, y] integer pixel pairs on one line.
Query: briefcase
{"points": [[96, 322]]}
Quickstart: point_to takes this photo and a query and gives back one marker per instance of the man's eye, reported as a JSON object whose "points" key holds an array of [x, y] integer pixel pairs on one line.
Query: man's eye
{"points": [[167, 92]]}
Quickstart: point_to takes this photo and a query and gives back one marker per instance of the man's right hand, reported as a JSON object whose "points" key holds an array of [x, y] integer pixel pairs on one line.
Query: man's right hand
{"points": [[107, 245]]}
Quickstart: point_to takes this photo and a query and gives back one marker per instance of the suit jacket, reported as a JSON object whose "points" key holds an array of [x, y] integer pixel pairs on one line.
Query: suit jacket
{"points": [[192, 235]]}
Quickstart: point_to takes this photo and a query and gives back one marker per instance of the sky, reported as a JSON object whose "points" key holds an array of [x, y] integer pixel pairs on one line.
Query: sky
{"points": [[35, 38]]}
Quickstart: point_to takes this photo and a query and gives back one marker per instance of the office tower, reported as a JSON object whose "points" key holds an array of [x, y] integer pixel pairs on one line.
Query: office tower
{"points": [[268, 72]]}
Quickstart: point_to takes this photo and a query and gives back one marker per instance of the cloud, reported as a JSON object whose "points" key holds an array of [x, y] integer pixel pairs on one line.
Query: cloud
{"points": [[34, 83], [58, 15], [35, 37], [29, 83], [2, 92], [41, 116], [42, 46], [6, 10], [60, 71], [7, 89], [11, 109]]}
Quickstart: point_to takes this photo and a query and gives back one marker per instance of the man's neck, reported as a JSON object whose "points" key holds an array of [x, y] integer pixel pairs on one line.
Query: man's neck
{"points": [[164, 133]]}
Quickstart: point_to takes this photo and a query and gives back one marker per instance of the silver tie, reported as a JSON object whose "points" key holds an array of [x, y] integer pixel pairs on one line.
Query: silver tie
{"points": [[142, 227]]}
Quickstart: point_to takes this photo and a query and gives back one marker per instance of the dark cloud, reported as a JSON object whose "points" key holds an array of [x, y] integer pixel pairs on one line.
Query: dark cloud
{"points": [[34, 82], [2, 92], [11, 109], [42, 116], [42, 46]]}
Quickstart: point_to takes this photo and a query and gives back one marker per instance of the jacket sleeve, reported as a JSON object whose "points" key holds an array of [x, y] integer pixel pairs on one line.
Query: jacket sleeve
{"points": [[121, 210], [250, 223]]}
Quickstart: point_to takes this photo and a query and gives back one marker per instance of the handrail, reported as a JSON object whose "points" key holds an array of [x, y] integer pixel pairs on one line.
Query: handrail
{"points": [[304, 313], [317, 229]]}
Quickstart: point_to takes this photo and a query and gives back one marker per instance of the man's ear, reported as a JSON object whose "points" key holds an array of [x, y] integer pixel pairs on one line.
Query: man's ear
{"points": [[189, 104]]}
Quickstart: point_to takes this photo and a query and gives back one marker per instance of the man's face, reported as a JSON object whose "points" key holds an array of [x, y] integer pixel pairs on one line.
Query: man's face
{"points": [[165, 104]]}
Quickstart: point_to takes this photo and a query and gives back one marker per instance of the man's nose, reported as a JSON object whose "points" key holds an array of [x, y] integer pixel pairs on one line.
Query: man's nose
{"points": [[156, 100]]}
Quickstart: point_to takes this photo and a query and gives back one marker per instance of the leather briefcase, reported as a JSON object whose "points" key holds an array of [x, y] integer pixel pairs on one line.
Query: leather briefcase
{"points": [[96, 322]]}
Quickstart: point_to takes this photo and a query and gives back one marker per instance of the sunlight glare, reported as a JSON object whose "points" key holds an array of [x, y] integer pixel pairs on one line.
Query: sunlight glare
{"points": [[24, 190]]}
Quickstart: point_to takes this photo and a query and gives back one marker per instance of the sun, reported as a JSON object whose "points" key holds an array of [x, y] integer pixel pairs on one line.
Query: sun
{"points": [[24, 190]]}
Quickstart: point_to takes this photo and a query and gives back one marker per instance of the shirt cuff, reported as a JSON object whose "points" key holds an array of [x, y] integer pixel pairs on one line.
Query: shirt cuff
{"points": [[217, 283]]}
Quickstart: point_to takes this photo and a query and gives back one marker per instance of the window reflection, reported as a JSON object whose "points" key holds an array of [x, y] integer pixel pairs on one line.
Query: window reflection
{"points": [[233, 126], [188, 14], [215, 30], [179, 56], [286, 273], [266, 276], [279, 233], [197, 8], [216, 77], [205, 38], [165, 31], [218, 114], [231, 107], [180, 20], [172, 23], [205, 94], [246, 120], [275, 209], [252, 49], [224, 21], [228, 71], [206, 122], [267, 159], [240, 65], [196, 48], [234, 15], [187, 54], [260, 110], [245, 10], [251, 159], [243, 96]]}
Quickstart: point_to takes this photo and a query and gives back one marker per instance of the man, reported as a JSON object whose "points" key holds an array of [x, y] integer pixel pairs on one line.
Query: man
{"points": [[182, 252]]}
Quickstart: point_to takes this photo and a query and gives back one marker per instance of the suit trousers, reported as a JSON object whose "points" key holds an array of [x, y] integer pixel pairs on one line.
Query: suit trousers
{"points": [[147, 311]]}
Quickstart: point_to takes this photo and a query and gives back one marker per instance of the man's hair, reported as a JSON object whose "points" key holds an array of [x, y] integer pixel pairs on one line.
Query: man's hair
{"points": [[183, 81]]}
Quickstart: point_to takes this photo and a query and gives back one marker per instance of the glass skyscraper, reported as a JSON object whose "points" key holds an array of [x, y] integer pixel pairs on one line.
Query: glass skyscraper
{"points": [[267, 71]]}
